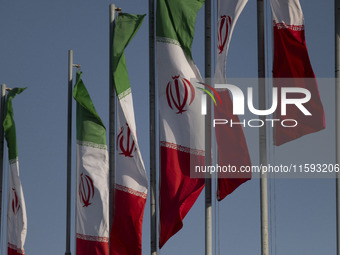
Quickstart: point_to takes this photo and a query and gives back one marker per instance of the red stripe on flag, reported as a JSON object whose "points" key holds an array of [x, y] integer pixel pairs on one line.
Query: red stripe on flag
{"points": [[291, 60], [178, 192], [91, 247], [232, 148], [11, 251], [126, 233]]}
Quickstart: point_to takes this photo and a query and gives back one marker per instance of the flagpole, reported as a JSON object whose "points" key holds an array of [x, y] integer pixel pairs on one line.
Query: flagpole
{"points": [[152, 110], [262, 130], [207, 72], [69, 140], [3, 96], [112, 123], [337, 112]]}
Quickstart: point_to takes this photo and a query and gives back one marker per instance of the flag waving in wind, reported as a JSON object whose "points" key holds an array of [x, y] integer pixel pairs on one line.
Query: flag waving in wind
{"points": [[180, 120], [291, 60], [228, 14], [92, 197], [16, 215], [232, 146], [131, 181]]}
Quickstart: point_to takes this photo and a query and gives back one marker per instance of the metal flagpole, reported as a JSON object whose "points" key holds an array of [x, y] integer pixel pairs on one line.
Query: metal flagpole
{"points": [[262, 130], [112, 108], [207, 71], [337, 113], [3, 95], [69, 138], [152, 110]]}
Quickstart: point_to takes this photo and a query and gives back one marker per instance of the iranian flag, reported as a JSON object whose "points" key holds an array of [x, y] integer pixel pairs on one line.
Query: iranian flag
{"points": [[16, 214], [232, 146], [291, 61], [180, 121], [131, 182], [228, 14], [92, 197]]}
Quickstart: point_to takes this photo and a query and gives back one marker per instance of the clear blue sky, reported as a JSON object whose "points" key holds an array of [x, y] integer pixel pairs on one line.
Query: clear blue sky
{"points": [[35, 37]]}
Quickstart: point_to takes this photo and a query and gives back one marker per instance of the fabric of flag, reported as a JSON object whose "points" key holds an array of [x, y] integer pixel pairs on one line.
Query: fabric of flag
{"points": [[180, 120], [131, 182], [92, 174], [232, 146], [291, 60], [16, 213]]}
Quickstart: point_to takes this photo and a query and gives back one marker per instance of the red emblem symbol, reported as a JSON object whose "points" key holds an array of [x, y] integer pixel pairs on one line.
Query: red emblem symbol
{"points": [[223, 32], [15, 202], [178, 92], [86, 190], [125, 142]]}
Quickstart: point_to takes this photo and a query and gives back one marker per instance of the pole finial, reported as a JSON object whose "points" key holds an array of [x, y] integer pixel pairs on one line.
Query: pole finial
{"points": [[77, 66]]}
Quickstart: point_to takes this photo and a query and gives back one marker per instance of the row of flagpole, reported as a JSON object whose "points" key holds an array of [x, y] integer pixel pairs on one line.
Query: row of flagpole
{"points": [[208, 209], [263, 160], [153, 203], [263, 150], [261, 64]]}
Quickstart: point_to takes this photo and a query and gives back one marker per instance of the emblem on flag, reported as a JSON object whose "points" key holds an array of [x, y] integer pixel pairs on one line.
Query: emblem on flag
{"points": [[86, 189], [125, 142], [15, 202], [223, 25], [178, 92]]}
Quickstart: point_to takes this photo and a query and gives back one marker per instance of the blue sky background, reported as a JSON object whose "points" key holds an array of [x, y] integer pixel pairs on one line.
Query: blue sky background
{"points": [[35, 37]]}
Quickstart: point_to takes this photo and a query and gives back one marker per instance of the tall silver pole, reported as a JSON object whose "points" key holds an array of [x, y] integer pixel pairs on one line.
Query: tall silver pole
{"points": [[3, 95], [337, 113], [69, 140], [152, 110], [263, 133], [207, 68], [112, 106]]}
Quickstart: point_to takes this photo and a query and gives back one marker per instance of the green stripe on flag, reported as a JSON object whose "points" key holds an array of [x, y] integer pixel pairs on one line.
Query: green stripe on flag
{"points": [[9, 125], [176, 19], [90, 128], [125, 28]]}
